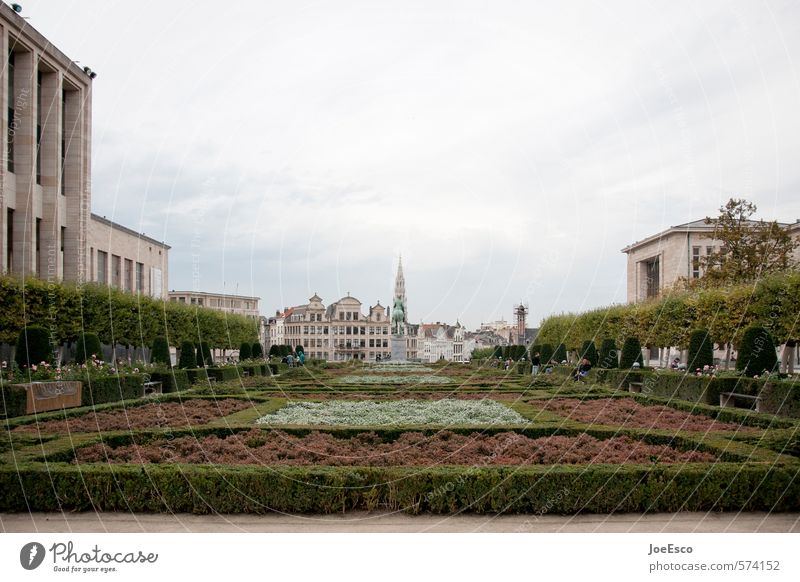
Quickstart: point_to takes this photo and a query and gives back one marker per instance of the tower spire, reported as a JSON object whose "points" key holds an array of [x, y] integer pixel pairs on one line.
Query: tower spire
{"points": [[400, 285]]}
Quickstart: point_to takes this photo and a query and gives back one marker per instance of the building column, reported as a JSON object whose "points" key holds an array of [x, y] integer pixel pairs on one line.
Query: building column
{"points": [[77, 185], [24, 136], [49, 152]]}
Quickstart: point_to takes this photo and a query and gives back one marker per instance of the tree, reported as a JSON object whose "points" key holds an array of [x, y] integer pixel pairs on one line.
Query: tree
{"points": [[33, 347], [589, 351], [756, 352], [299, 349], [160, 351], [631, 353], [245, 351], [188, 355], [608, 356], [498, 352], [750, 249], [205, 354], [701, 350], [88, 345], [274, 351], [257, 351]]}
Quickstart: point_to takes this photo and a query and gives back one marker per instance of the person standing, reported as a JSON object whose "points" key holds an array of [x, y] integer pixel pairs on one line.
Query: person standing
{"points": [[536, 361]]}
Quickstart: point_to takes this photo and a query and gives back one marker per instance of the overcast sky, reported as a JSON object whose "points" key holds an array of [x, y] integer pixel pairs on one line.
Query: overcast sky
{"points": [[508, 150]]}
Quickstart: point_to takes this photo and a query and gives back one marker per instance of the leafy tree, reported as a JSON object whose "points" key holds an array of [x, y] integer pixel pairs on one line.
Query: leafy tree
{"points": [[756, 352], [631, 353], [257, 351], [750, 249], [589, 351], [701, 349], [245, 351], [33, 347], [560, 353], [160, 351], [608, 356], [546, 351], [188, 355], [88, 345]]}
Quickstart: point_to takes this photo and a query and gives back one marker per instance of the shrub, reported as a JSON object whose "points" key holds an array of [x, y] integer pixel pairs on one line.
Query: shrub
{"points": [[199, 355], [299, 349], [205, 352], [546, 352], [589, 352], [33, 347], [14, 401], [245, 351], [257, 351], [111, 389], [608, 357], [274, 351], [701, 349], [160, 353], [498, 352], [188, 356], [174, 380], [560, 353], [756, 352], [88, 344], [631, 353]]}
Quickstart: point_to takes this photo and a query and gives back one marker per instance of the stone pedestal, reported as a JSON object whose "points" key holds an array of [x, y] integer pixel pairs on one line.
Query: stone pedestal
{"points": [[398, 343], [44, 396]]}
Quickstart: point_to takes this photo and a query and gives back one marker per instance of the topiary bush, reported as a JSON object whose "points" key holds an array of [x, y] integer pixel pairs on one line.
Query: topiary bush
{"points": [[160, 351], [756, 352], [33, 347], [299, 349], [88, 344], [546, 353], [560, 353], [589, 351], [701, 350], [257, 351], [274, 351], [205, 351], [608, 357], [631, 353], [188, 356], [245, 351]]}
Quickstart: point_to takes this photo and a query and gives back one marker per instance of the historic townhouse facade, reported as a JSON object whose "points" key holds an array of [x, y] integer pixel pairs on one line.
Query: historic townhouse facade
{"points": [[439, 341]]}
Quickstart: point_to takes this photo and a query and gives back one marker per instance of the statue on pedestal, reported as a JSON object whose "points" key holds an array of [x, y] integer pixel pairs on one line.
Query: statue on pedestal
{"points": [[398, 316]]}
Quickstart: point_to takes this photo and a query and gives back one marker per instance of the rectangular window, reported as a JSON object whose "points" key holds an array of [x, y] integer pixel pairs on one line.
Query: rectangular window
{"points": [[695, 262], [12, 121], [63, 140], [63, 255], [38, 235], [139, 277], [363, 331], [348, 316], [182, 299], [116, 271], [372, 342], [341, 316], [709, 251], [129, 275], [102, 267], [9, 240]]}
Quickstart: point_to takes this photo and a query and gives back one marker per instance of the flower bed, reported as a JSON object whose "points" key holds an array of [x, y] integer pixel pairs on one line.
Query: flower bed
{"points": [[626, 412], [410, 449], [399, 368], [152, 415], [394, 413], [383, 379]]}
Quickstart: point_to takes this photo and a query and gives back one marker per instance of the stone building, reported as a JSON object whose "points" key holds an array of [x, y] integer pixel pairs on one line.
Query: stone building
{"points": [[659, 261], [439, 341], [47, 229], [234, 304]]}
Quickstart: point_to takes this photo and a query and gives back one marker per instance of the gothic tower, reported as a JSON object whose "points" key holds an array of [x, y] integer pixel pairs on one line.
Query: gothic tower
{"points": [[400, 288]]}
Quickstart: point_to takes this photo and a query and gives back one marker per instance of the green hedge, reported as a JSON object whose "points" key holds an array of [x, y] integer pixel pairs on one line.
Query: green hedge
{"points": [[111, 389], [137, 320], [14, 401], [529, 490], [222, 374], [174, 381], [197, 375]]}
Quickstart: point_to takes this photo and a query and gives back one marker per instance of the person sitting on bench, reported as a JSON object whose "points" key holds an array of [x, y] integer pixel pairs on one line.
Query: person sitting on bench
{"points": [[583, 370]]}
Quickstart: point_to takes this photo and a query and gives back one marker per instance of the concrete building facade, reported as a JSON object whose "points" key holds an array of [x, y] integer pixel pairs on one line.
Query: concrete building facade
{"points": [[45, 186], [234, 304], [659, 261], [124, 259]]}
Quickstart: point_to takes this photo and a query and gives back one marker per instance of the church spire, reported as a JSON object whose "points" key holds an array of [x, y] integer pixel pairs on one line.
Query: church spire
{"points": [[400, 285]]}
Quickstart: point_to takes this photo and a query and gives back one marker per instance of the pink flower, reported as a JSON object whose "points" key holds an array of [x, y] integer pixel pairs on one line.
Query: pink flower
{"points": [[33, 367]]}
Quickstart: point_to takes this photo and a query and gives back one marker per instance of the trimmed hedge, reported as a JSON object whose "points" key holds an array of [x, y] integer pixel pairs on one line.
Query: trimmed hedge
{"points": [[589, 351], [188, 357], [14, 401], [88, 344], [160, 353], [701, 350], [245, 351], [757, 352], [173, 381], [111, 389], [546, 354], [33, 347], [608, 357], [631, 353], [257, 351], [532, 490], [560, 353]]}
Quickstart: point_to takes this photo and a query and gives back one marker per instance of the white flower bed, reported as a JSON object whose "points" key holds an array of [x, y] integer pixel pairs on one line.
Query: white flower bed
{"points": [[410, 379], [397, 412], [398, 368]]}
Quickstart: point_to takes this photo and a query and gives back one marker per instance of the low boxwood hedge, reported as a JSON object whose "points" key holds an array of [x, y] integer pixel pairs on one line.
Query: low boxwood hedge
{"points": [[14, 401], [176, 380], [531, 490], [111, 389]]}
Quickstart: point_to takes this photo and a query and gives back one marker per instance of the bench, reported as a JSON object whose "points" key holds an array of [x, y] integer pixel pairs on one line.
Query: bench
{"points": [[635, 387], [152, 388], [728, 400]]}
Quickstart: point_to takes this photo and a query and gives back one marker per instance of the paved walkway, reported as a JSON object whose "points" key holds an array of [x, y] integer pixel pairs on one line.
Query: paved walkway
{"points": [[358, 522]]}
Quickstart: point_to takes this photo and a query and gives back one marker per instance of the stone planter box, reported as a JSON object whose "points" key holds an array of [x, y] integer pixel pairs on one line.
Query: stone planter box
{"points": [[44, 396]]}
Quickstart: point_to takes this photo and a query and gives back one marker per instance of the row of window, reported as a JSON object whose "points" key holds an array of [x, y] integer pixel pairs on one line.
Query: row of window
{"points": [[123, 273]]}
